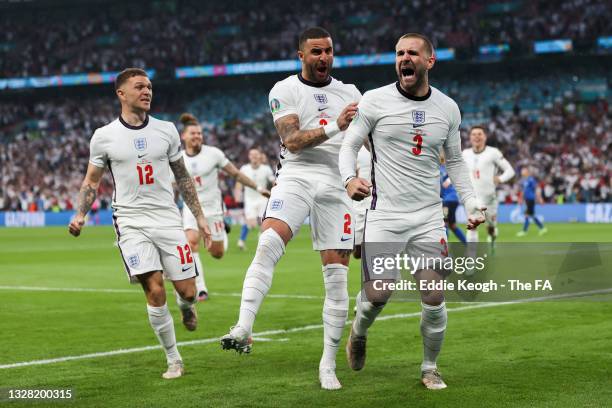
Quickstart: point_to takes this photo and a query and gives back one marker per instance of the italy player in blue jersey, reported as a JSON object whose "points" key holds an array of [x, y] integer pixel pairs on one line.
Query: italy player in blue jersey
{"points": [[529, 188], [450, 202]]}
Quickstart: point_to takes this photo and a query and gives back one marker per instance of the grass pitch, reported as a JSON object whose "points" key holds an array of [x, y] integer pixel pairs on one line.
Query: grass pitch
{"points": [[553, 354]]}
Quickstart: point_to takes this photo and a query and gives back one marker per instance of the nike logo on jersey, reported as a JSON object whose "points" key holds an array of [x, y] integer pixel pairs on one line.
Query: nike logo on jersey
{"points": [[140, 156], [415, 125], [344, 239], [186, 268], [322, 108]]}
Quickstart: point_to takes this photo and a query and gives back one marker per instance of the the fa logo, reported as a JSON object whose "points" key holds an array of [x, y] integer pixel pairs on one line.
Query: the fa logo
{"points": [[418, 116], [320, 98], [276, 205], [140, 143], [133, 260]]}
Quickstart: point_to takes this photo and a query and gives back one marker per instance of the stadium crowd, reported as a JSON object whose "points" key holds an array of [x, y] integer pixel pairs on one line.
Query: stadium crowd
{"points": [[107, 36], [569, 147]]}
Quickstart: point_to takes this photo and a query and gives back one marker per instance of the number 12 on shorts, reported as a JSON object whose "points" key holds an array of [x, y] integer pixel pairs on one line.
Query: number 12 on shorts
{"points": [[185, 254]]}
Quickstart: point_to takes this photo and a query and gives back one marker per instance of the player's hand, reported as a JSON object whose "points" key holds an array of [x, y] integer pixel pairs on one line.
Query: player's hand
{"points": [[496, 180], [475, 213], [446, 183], [205, 232], [358, 188], [76, 225], [347, 115], [264, 192]]}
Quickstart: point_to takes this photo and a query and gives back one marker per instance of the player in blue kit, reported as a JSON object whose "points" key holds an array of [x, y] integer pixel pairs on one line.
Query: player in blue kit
{"points": [[529, 186]]}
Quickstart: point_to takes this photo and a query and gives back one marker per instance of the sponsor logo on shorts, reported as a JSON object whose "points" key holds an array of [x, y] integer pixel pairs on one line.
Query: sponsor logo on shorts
{"points": [[140, 143], [133, 260], [186, 268], [275, 105], [344, 239], [276, 205]]}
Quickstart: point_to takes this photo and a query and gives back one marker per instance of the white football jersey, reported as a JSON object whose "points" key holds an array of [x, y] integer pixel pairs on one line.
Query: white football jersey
{"points": [[406, 135], [484, 166], [316, 105], [364, 164], [204, 168], [261, 175], [138, 159]]}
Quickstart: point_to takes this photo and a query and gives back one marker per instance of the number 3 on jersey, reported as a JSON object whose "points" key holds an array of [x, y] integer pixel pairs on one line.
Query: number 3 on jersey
{"points": [[145, 174]]}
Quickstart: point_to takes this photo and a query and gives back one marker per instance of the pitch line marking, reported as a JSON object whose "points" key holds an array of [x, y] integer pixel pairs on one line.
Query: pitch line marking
{"points": [[103, 290], [296, 329]]}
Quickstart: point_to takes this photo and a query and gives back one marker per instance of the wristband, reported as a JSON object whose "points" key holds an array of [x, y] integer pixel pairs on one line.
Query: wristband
{"points": [[331, 129], [348, 180]]}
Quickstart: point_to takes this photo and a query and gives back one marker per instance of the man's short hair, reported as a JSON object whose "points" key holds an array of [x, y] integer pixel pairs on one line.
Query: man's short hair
{"points": [[428, 44], [127, 74], [312, 33], [481, 127]]}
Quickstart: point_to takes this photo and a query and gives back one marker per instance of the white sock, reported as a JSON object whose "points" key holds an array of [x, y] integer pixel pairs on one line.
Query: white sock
{"points": [[258, 277], [335, 311], [225, 242], [433, 325], [200, 282], [366, 314], [471, 236], [163, 326]]}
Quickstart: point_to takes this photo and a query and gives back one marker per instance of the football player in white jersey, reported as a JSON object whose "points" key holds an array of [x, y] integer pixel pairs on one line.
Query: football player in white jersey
{"points": [[485, 163], [141, 152], [407, 124], [254, 204], [311, 110], [203, 162]]}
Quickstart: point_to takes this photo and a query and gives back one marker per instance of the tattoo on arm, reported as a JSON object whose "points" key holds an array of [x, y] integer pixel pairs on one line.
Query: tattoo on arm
{"points": [[87, 196], [186, 187], [293, 138]]}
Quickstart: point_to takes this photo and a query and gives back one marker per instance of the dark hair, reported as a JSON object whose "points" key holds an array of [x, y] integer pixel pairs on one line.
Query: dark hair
{"points": [[428, 44], [127, 74], [481, 127], [187, 119], [312, 33]]}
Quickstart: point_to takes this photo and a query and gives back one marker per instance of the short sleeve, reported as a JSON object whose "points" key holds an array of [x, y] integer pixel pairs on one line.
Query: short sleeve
{"points": [[356, 94], [365, 119], [97, 155], [282, 101], [454, 138], [222, 160], [174, 149]]}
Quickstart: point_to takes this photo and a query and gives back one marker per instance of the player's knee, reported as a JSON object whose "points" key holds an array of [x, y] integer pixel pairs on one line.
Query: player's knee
{"points": [[156, 295], [433, 298], [216, 250]]}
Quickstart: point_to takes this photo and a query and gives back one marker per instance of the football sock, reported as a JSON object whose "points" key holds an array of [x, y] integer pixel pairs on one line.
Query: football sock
{"points": [[459, 234], [244, 231], [258, 277], [538, 222], [200, 282], [184, 304], [225, 242], [366, 314], [472, 236], [163, 326], [526, 224], [433, 325], [335, 311]]}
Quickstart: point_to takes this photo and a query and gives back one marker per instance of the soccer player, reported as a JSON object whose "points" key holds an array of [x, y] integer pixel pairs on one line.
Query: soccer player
{"points": [[485, 162], [254, 204], [311, 110], [203, 163], [364, 168], [140, 152], [450, 202], [407, 123], [529, 185]]}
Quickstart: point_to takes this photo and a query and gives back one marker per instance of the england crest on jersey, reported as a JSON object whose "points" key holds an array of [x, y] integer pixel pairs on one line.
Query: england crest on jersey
{"points": [[133, 260], [418, 116], [140, 143], [321, 98]]}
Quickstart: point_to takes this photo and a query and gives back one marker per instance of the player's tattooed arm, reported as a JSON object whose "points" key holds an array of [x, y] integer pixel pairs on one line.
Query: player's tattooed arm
{"points": [[88, 192], [186, 187], [293, 138]]}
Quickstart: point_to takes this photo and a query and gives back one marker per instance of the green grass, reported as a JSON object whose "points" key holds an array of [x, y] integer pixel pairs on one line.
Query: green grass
{"points": [[553, 354]]}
